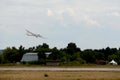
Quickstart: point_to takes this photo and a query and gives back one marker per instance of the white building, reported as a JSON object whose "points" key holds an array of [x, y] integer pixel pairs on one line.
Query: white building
{"points": [[113, 62], [29, 57]]}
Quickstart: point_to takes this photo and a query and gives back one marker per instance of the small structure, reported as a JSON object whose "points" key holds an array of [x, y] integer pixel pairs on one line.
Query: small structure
{"points": [[53, 63], [113, 62], [28, 57], [101, 62], [47, 54]]}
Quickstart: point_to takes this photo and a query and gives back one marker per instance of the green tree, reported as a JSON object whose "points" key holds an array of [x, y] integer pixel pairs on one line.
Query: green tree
{"points": [[42, 49], [112, 57], [1, 58], [77, 58], [118, 56], [109, 51], [46, 46], [72, 48], [99, 55], [21, 52], [55, 55], [11, 55], [88, 55]]}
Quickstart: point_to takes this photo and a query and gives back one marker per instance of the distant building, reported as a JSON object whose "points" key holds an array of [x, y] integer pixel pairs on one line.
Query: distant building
{"points": [[47, 54], [113, 62], [28, 57], [101, 62]]}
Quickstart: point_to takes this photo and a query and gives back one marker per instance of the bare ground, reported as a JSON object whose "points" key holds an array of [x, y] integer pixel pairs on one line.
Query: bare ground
{"points": [[58, 75]]}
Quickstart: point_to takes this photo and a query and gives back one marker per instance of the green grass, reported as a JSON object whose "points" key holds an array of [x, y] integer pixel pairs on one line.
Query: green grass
{"points": [[80, 66]]}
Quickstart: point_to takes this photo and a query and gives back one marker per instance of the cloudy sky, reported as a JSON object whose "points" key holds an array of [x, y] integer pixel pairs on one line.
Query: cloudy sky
{"points": [[91, 24]]}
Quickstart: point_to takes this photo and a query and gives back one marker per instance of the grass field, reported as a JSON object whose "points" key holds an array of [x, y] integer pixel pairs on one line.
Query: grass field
{"points": [[60, 75], [80, 66]]}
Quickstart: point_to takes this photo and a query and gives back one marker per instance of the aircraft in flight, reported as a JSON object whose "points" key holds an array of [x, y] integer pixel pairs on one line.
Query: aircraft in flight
{"points": [[29, 33]]}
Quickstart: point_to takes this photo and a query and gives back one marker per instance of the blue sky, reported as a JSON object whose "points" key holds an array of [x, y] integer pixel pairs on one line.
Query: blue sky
{"points": [[91, 24]]}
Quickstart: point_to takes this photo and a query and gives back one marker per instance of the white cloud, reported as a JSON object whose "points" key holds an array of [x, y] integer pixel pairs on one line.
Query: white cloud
{"points": [[116, 14], [49, 12], [91, 22]]}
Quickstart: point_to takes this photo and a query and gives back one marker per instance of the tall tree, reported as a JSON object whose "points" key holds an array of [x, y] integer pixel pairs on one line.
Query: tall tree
{"points": [[55, 55], [21, 51], [11, 55], [72, 48], [88, 55]]}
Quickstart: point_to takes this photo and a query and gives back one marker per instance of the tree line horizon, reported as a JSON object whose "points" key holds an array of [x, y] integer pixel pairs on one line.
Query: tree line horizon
{"points": [[71, 54]]}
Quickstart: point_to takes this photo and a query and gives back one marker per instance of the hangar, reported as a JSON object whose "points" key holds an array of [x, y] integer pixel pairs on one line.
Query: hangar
{"points": [[29, 57]]}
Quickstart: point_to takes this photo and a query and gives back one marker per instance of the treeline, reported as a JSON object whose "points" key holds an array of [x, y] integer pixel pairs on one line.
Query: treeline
{"points": [[71, 55]]}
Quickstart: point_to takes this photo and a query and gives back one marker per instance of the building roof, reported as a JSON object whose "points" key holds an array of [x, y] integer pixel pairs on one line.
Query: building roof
{"points": [[30, 57], [113, 62]]}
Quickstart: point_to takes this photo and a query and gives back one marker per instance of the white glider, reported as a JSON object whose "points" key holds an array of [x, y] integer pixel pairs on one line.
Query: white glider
{"points": [[29, 33]]}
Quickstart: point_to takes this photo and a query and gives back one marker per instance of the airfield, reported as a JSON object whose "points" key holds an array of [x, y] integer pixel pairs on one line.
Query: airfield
{"points": [[59, 73], [57, 69]]}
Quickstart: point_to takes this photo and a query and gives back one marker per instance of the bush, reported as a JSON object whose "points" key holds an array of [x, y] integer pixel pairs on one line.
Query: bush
{"points": [[45, 75]]}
